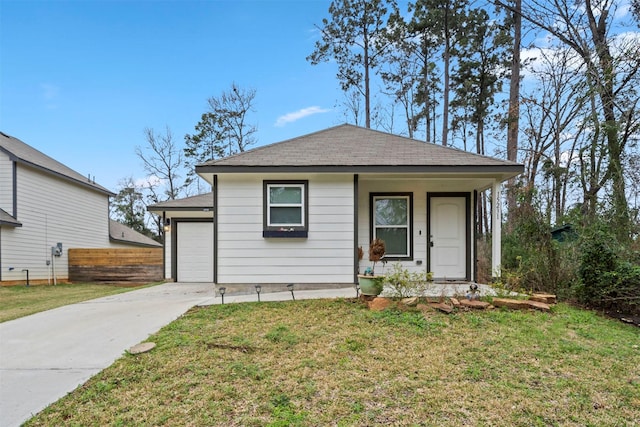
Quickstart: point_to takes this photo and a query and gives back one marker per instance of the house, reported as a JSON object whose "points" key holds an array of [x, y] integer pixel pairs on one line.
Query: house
{"points": [[46, 208], [296, 211]]}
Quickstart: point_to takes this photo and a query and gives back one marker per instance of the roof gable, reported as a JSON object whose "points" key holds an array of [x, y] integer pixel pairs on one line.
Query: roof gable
{"points": [[23, 153], [356, 149]]}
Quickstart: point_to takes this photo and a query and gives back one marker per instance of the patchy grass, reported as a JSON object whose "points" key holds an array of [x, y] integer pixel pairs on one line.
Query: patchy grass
{"points": [[336, 363], [19, 301]]}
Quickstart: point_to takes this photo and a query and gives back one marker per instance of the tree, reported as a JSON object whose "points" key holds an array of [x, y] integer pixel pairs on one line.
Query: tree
{"points": [[128, 207], [408, 73], [513, 118], [353, 37], [440, 22], [162, 159], [554, 131], [611, 70], [223, 130]]}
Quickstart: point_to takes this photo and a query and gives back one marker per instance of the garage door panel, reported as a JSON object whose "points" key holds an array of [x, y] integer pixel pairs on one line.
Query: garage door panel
{"points": [[194, 248]]}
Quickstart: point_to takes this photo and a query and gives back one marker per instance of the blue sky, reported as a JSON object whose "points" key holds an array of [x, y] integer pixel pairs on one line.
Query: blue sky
{"points": [[80, 80]]}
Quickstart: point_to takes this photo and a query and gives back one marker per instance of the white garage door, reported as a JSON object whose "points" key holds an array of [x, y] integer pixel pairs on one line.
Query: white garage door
{"points": [[194, 249]]}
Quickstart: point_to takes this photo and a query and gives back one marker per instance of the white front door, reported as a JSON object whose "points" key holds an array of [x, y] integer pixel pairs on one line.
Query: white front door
{"points": [[194, 248], [448, 239]]}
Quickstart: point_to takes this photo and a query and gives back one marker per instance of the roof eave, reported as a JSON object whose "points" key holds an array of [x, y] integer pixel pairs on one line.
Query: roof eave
{"points": [[509, 171], [130, 242], [88, 185], [160, 208], [13, 224]]}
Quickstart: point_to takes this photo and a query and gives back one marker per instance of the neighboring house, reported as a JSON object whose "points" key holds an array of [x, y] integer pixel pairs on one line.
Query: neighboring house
{"points": [[122, 236], [296, 211], [44, 203]]}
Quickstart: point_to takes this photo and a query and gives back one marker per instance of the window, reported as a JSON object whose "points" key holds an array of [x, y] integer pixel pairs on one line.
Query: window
{"points": [[391, 220], [285, 209]]}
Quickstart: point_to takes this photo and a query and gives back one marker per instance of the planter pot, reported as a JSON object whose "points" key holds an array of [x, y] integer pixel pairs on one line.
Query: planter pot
{"points": [[370, 285]]}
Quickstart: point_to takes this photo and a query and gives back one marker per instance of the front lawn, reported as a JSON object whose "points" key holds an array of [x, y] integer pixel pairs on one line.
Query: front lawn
{"points": [[19, 301], [334, 362]]}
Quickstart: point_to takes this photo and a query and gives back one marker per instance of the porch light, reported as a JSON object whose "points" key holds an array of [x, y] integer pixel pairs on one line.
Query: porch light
{"points": [[258, 289], [167, 224], [290, 287], [222, 291]]}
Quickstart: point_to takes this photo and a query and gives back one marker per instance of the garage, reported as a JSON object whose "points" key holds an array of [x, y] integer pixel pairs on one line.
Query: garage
{"points": [[188, 238], [194, 251]]}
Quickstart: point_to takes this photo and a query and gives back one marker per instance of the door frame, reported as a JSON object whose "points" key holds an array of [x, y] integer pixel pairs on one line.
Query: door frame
{"points": [[174, 243], [467, 216]]}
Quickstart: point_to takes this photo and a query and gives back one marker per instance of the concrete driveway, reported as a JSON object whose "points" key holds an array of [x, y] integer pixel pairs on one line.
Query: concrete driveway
{"points": [[47, 355]]}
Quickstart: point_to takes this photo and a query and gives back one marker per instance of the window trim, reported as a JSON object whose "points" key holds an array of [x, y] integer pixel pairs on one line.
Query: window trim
{"points": [[373, 228], [294, 231]]}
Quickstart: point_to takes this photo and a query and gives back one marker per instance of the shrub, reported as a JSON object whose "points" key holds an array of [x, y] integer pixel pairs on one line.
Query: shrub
{"points": [[607, 279], [401, 283]]}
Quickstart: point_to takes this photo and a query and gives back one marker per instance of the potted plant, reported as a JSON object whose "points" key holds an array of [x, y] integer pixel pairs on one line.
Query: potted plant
{"points": [[369, 282]]}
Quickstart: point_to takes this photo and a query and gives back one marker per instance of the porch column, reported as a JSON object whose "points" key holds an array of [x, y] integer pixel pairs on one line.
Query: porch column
{"points": [[496, 228]]}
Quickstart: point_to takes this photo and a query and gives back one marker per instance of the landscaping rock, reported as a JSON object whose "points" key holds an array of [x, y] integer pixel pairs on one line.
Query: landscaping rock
{"points": [[143, 347], [424, 307], [440, 306], [515, 304], [379, 304], [545, 298], [410, 302], [455, 302], [480, 305]]}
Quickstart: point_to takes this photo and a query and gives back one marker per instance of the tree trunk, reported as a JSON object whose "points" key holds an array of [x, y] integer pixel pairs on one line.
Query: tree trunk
{"points": [[514, 101], [445, 94]]}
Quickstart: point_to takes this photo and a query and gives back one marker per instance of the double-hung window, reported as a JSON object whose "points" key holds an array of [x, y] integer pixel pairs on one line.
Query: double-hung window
{"points": [[391, 220], [285, 209]]}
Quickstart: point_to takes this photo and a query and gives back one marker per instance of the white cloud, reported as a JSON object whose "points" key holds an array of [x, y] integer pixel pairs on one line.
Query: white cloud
{"points": [[300, 114], [49, 91], [149, 181]]}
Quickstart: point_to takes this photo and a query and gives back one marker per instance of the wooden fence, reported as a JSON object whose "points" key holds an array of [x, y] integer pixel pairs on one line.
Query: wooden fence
{"points": [[139, 265]]}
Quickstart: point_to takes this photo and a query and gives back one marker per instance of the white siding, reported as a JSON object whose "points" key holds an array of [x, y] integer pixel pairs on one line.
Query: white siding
{"points": [[325, 256], [419, 188], [6, 183], [51, 210]]}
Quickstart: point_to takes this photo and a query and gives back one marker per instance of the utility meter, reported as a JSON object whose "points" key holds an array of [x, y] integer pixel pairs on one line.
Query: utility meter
{"points": [[56, 250]]}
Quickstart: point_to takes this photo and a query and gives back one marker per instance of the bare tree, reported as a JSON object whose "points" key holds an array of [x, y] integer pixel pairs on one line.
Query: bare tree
{"points": [[162, 158], [611, 70]]}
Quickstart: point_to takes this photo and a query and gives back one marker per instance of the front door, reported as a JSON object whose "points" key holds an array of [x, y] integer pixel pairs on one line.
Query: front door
{"points": [[449, 254]]}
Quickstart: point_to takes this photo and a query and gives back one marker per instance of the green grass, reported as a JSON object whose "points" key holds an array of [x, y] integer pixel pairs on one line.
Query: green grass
{"points": [[308, 363], [19, 301]]}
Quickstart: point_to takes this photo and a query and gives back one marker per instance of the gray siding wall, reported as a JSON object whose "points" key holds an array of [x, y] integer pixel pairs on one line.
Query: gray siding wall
{"points": [[325, 256]]}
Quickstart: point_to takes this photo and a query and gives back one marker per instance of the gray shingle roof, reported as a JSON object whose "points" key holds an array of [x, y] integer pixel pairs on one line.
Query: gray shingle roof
{"points": [[121, 233], [199, 202], [22, 153], [6, 219], [356, 149]]}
